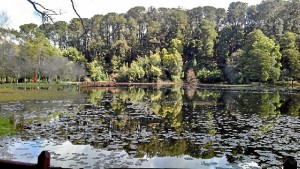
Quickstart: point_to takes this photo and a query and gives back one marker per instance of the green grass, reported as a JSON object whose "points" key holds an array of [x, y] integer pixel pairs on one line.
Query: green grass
{"points": [[6, 128], [12, 93], [13, 85]]}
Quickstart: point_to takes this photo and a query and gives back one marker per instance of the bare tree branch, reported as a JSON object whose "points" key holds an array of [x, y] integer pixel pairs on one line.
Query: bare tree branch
{"points": [[73, 6], [44, 12], [47, 13], [3, 19]]}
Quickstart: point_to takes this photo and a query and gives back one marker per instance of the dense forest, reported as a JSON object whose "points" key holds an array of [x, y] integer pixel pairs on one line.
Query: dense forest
{"points": [[242, 44]]}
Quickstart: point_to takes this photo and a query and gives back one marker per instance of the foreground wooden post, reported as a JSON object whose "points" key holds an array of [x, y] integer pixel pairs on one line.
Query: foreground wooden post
{"points": [[43, 160], [290, 163], [16, 164], [43, 163]]}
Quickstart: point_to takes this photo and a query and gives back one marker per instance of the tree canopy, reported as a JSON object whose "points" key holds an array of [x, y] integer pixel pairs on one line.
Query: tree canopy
{"points": [[242, 44]]}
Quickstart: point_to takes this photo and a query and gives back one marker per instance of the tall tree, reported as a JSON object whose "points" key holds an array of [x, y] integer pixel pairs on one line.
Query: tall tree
{"points": [[138, 14], [230, 40], [269, 17], [172, 61], [290, 57], [291, 16], [174, 26], [236, 14], [260, 60], [96, 45], [60, 34], [35, 46]]}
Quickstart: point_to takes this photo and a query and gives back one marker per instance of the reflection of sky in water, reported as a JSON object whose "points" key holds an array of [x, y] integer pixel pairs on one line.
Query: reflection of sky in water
{"points": [[174, 162], [75, 156]]}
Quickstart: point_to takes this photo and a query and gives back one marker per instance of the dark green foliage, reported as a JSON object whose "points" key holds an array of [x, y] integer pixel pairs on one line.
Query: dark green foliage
{"points": [[154, 44], [260, 60], [290, 57]]}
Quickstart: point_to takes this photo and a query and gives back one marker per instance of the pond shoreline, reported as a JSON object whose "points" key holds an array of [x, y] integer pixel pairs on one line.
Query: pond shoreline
{"points": [[240, 87], [202, 86]]}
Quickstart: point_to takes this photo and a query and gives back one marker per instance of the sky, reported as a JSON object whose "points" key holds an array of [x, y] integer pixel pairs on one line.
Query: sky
{"points": [[22, 12]]}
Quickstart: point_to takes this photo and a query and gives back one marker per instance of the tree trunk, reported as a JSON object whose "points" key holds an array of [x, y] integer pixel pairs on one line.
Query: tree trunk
{"points": [[17, 79]]}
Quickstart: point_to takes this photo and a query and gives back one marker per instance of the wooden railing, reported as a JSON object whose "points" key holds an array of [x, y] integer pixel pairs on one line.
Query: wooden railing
{"points": [[43, 162]]}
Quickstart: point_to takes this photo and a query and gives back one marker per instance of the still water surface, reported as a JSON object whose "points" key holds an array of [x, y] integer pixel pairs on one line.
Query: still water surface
{"points": [[156, 127]]}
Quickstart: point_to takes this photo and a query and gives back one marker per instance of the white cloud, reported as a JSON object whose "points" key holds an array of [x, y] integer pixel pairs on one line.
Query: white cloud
{"points": [[21, 11]]}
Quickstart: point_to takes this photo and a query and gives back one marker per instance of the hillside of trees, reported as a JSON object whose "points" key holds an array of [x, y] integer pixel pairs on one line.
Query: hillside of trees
{"points": [[242, 44]]}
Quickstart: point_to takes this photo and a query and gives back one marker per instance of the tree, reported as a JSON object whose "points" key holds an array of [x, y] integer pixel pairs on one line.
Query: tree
{"points": [[174, 26], [115, 63], [19, 66], [74, 55], [201, 46], [237, 13], [291, 16], [3, 19], [12, 61], [191, 78], [270, 17], [209, 13], [135, 73], [291, 64], [37, 49], [231, 70], [79, 70], [260, 60], [75, 31], [155, 70], [30, 30], [172, 61], [138, 14], [60, 29], [56, 67], [288, 41], [290, 57], [97, 71], [201, 51], [195, 16], [211, 40], [230, 40]]}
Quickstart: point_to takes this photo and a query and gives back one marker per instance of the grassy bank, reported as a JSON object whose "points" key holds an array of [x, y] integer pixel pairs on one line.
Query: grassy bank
{"points": [[6, 127], [23, 92]]}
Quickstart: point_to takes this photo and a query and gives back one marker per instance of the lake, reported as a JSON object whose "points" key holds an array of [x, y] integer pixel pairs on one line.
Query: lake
{"points": [[154, 127]]}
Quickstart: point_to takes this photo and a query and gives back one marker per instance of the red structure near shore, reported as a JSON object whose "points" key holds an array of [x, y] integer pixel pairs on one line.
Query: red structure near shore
{"points": [[42, 163]]}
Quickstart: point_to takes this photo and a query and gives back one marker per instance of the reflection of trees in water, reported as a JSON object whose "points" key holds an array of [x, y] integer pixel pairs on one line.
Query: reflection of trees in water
{"points": [[171, 107], [95, 96], [133, 95], [268, 110], [210, 124], [268, 105], [162, 148], [190, 92], [265, 105], [290, 105], [208, 95], [133, 111], [166, 103]]}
